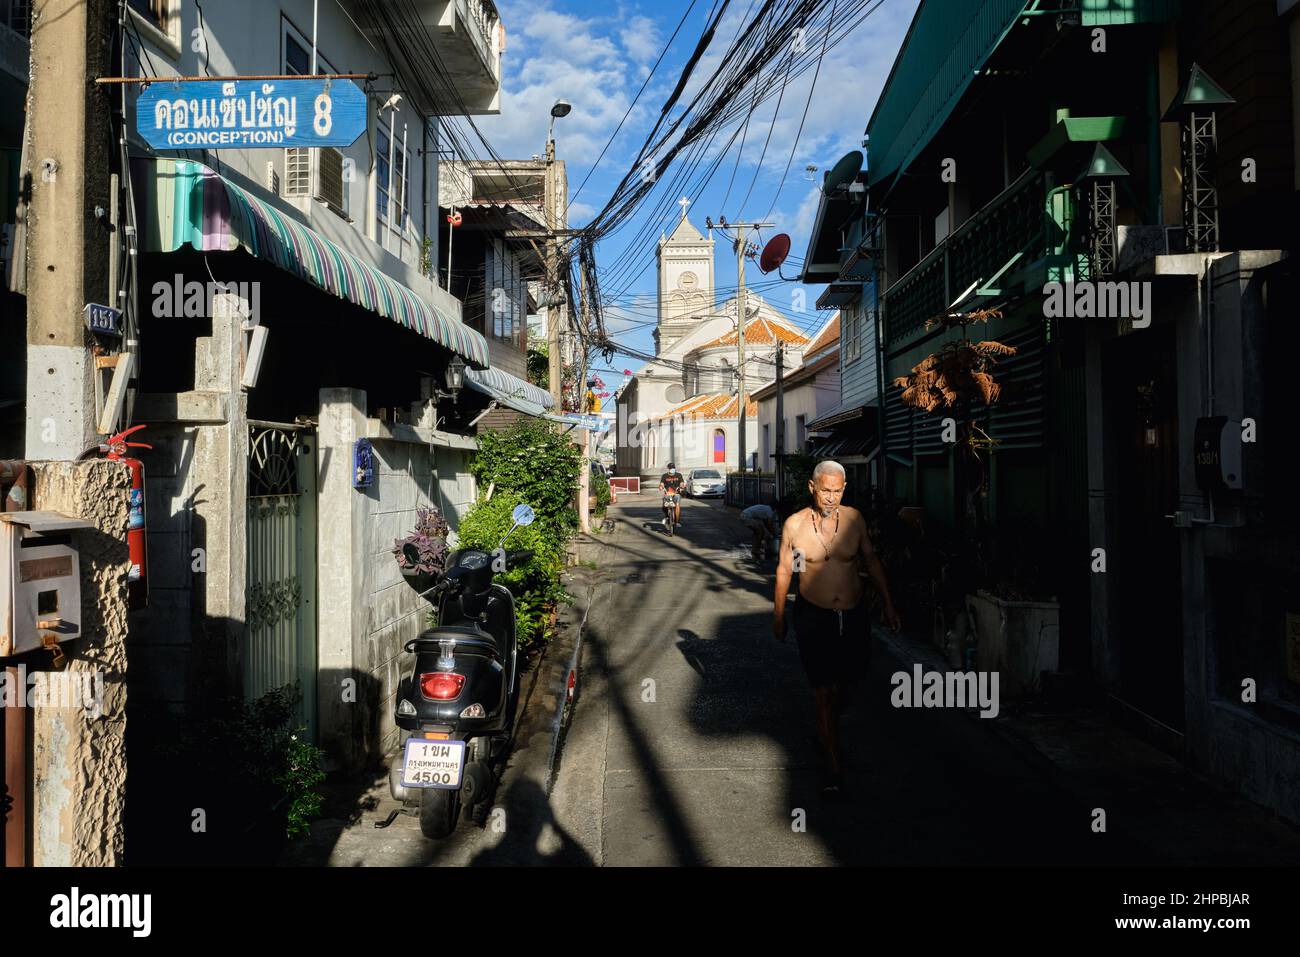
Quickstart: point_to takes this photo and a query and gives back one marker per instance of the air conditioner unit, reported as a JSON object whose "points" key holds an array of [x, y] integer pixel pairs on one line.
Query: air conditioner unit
{"points": [[323, 182], [330, 188]]}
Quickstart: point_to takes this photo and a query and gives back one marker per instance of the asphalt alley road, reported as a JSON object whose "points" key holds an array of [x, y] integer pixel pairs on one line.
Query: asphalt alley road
{"points": [[692, 742], [693, 739]]}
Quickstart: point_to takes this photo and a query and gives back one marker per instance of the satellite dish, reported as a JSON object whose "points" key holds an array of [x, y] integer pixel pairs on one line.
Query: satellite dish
{"points": [[774, 253], [675, 393], [843, 172]]}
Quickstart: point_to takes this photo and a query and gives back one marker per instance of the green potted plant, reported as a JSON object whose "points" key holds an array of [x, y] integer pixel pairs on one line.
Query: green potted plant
{"points": [[422, 555]]}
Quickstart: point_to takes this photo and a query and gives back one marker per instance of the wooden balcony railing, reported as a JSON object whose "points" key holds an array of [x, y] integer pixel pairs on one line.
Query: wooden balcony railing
{"points": [[1012, 221]]}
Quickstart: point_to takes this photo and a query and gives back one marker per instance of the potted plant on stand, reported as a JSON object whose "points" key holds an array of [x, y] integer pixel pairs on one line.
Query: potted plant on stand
{"points": [[950, 382], [422, 555]]}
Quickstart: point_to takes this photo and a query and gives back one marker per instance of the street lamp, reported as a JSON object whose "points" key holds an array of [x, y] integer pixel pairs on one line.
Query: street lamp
{"points": [[561, 108]]}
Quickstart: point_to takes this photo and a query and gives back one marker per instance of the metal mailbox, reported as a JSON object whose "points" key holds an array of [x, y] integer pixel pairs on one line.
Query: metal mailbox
{"points": [[40, 583]]}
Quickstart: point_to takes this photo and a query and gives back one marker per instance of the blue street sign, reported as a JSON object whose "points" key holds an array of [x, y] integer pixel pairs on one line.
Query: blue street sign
{"points": [[363, 464], [243, 114], [103, 319], [592, 423]]}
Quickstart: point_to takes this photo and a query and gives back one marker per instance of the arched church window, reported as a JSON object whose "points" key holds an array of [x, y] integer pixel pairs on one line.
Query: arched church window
{"points": [[719, 447]]}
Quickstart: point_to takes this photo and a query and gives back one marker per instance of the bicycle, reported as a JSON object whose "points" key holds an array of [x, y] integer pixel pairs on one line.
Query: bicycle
{"points": [[670, 510]]}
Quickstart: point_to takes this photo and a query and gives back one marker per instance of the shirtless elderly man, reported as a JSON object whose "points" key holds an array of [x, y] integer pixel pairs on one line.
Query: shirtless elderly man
{"points": [[827, 544]]}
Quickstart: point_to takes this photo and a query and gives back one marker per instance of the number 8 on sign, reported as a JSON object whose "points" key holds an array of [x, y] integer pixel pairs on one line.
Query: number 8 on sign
{"points": [[323, 121]]}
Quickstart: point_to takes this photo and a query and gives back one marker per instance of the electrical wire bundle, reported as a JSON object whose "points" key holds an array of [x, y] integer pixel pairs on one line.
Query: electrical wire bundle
{"points": [[779, 39]]}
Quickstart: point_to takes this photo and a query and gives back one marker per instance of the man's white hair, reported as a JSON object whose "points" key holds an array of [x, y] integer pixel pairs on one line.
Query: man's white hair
{"points": [[829, 467]]}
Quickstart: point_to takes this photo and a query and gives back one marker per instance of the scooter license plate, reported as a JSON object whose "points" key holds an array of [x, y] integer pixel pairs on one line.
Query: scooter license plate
{"points": [[433, 764]]}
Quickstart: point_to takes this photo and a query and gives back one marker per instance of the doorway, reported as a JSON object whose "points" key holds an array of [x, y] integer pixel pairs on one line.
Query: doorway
{"points": [[1142, 428], [280, 631]]}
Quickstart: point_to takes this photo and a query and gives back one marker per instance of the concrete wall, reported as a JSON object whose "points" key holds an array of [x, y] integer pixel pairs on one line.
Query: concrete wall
{"points": [[78, 755], [367, 611], [810, 398], [1250, 746], [188, 639], [1254, 748]]}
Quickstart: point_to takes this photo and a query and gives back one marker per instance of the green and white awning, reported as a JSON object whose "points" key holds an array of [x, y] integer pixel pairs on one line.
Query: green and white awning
{"points": [[510, 391], [188, 203]]}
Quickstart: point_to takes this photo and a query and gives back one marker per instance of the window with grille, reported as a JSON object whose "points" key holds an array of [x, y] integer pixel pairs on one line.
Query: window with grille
{"points": [[17, 16], [505, 294]]}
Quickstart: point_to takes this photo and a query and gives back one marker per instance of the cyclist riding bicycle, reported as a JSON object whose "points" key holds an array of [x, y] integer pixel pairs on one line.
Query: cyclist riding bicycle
{"points": [[670, 485]]}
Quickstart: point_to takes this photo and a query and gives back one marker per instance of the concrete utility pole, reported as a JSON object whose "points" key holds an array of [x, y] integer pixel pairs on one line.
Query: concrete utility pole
{"points": [[741, 230], [553, 314], [66, 186], [552, 285], [780, 420], [584, 477]]}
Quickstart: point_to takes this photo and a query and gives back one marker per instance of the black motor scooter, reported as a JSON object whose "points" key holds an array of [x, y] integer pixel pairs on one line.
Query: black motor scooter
{"points": [[457, 707]]}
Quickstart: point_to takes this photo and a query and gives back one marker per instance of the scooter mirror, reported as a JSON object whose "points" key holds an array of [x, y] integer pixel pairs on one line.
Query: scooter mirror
{"points": [[523, 515]]}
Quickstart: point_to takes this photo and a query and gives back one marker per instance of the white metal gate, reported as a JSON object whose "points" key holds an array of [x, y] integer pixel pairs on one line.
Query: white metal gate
{"points": [[280, 632]]}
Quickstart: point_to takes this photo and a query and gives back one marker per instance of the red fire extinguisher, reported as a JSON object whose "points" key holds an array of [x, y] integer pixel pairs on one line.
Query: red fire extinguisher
{"points": [[137, 587]]}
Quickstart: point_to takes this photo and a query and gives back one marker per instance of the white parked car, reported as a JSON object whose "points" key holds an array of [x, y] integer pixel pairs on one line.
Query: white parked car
{"points": [[702, 483]]}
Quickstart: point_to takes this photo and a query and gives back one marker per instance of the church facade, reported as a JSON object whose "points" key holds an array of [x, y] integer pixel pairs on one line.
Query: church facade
{"points": [[682, 407]]}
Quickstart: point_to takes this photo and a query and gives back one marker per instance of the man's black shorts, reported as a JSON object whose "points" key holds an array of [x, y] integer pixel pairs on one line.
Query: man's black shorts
{"points": [[833, 645]]}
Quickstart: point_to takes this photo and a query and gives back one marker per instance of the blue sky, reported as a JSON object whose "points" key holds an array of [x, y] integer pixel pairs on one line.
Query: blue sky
{"points": [[596, 55]]}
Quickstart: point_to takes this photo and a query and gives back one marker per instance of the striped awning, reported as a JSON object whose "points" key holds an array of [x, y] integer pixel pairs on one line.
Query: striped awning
{"points": [[510, 391], [190, 204]]}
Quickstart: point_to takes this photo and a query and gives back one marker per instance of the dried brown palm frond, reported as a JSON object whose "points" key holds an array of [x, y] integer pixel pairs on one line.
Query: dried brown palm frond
{"points": [[959, 370], [954, 319]]}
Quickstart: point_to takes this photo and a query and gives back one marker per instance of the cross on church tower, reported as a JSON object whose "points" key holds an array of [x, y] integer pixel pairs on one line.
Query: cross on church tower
{"points": [[683, 203]]}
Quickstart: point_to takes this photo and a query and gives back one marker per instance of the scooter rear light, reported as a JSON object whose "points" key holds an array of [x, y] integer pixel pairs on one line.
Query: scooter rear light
{"points": [[441, 685]]}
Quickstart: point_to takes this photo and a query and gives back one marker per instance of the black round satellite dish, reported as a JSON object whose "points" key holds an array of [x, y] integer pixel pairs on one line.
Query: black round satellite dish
{"points": [[774, 253], [843, 172]]}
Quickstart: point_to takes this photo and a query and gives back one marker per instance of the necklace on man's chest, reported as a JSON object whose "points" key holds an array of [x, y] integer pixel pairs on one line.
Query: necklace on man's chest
{"points": [[817, 531]]}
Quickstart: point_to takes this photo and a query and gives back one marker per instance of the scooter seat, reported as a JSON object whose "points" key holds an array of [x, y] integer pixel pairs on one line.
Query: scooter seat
{"points": [[427, 643]]}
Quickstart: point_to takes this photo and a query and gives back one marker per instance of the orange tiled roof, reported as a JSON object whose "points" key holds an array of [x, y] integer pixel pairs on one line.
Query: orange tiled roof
{"points": [[830, 334], [759, 331], [715, 405]]}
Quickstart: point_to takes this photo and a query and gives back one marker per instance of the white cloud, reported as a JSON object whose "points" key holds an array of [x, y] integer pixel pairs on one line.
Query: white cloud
{"points": [[580, 212], [642, 41]]}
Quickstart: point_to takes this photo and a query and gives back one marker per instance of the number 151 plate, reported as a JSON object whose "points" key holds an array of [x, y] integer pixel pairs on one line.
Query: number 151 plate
{"points": [[432, 764]]}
